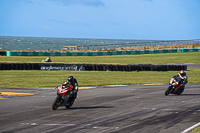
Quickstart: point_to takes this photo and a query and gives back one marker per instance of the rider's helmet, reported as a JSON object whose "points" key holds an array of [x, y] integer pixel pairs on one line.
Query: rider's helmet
{"points": [[182, 73], [70, 79]]}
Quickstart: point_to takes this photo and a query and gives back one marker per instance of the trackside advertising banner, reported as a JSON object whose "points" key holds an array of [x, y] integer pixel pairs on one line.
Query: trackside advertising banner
{"points": [[62, 67]]}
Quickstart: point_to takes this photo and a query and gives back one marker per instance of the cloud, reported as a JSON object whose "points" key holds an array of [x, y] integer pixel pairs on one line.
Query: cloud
{"points": [[93, 3]]}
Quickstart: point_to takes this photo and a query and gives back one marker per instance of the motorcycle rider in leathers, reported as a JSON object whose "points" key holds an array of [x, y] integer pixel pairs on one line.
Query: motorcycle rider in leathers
{"points": [[183, 79], [72, 82]]}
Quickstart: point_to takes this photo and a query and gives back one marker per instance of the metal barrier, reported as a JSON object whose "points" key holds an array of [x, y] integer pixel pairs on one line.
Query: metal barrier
{"points": [[125, 45], [101, 53]]}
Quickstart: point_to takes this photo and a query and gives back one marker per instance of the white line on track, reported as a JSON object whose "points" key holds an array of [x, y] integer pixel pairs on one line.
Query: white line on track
{"points": [[58, 124], [36, 124], [190, 128]]}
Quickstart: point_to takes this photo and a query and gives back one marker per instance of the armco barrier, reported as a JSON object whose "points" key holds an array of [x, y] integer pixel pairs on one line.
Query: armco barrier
{"points": [[90, 67], [100, 53]]}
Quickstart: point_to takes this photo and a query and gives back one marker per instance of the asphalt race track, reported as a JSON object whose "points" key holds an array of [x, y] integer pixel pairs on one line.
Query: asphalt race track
{"points": [[132, 108]]}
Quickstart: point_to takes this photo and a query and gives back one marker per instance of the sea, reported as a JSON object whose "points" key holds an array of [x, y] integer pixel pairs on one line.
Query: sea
{"points": [[47, 43]]}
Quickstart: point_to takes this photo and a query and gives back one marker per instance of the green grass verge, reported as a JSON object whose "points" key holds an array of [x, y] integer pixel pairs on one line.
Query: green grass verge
{"points": [[42, 78], [163, 58], [34, 78], [196, 130]]}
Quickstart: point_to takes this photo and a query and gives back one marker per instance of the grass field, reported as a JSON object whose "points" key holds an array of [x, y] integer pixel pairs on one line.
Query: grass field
{"points": [[164, 58], [42, 78]]}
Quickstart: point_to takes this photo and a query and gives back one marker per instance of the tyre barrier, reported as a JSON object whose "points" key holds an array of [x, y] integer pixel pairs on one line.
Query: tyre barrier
{"points": [[19, 66], [2, 53], [90, 67]]}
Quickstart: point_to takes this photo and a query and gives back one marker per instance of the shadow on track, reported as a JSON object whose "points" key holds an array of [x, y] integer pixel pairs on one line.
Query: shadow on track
{"points": [[94, 107], [183, 95], [190, 95]]}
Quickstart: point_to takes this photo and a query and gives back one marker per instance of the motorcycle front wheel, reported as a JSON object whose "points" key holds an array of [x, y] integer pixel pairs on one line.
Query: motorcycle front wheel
{"points": [[56, 102], [168, 90]]}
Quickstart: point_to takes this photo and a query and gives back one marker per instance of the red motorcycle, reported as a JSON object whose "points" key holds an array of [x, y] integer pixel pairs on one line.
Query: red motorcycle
{"points": [[63, 97]]}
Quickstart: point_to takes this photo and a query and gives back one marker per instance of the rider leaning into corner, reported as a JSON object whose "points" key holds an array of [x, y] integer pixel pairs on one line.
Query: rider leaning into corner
{"points": [[182, 77], [72, 82]]}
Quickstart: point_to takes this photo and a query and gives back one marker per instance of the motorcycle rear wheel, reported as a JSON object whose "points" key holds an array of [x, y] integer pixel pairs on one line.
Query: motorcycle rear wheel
{"points": [[56, 102], [180, 91], [69, 103]]}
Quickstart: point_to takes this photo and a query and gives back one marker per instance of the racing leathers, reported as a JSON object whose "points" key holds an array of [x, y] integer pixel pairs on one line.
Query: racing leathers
{"points": [[183, 80], [73, 83]]}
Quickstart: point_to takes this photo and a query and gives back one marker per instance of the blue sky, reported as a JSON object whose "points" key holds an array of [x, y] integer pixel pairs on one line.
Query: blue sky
{"points": [[101, 19]]}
